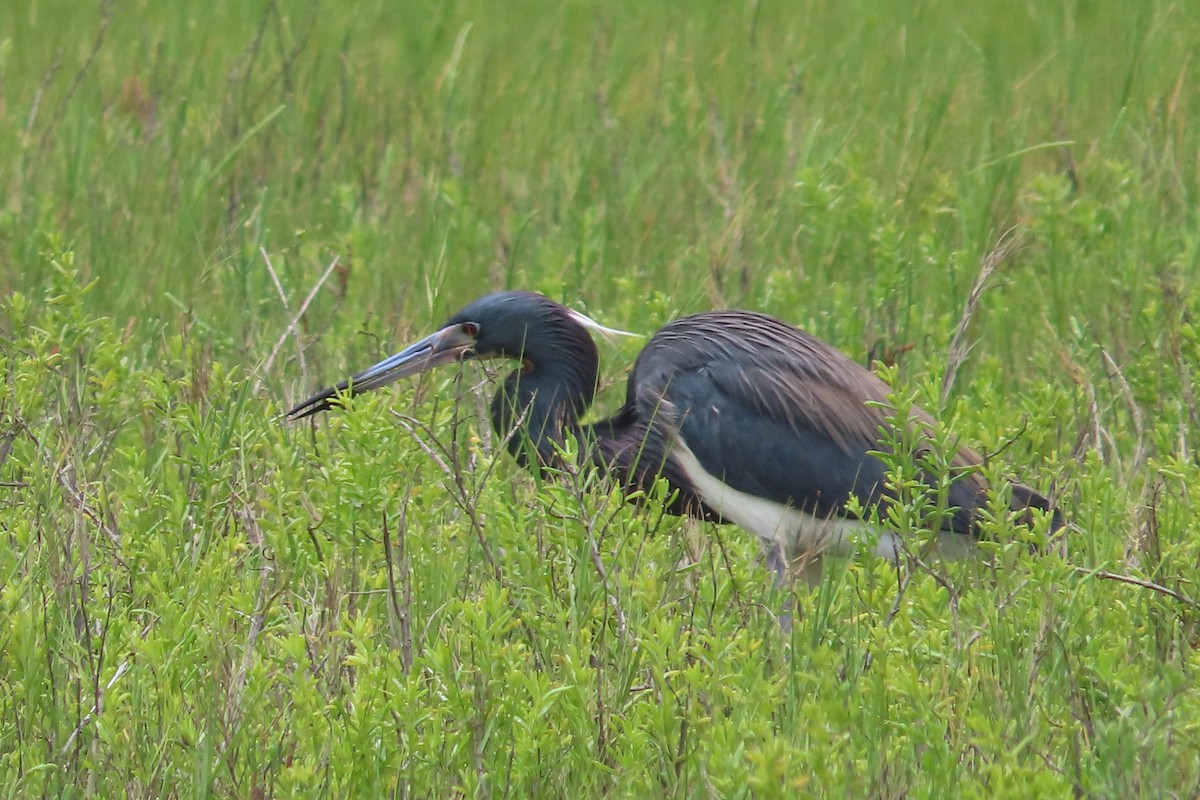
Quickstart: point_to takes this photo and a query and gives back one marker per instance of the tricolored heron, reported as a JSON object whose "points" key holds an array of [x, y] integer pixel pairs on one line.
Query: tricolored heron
{"points": [[750, 420]]}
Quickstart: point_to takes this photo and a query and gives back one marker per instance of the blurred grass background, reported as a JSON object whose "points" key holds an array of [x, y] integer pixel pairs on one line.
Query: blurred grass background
{"points": [[197, 600]]}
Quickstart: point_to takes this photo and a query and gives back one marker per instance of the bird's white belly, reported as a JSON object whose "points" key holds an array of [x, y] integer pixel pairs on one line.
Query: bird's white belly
{"points": [[797, 534]]}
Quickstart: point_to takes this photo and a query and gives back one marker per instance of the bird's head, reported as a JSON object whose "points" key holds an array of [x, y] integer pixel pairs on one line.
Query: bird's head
{"points": [[525, 326]]}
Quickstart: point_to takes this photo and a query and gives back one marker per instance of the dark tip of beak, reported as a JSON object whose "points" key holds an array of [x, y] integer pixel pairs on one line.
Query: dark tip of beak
{"points": [[321, 401]]}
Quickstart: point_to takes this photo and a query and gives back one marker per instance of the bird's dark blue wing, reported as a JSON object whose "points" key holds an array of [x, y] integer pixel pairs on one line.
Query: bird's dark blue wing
{"points": [[775, 413], [765, 455]]}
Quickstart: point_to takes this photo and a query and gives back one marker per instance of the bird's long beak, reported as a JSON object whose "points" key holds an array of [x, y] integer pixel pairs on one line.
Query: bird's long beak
{"points": [[449, 344]]}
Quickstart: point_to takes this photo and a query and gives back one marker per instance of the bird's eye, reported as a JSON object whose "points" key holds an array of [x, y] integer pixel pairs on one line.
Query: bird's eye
{"points": [[470, 328]]}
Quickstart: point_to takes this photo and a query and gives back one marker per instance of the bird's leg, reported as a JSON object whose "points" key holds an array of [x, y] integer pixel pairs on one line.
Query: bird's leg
{"points": [[777, 562]]}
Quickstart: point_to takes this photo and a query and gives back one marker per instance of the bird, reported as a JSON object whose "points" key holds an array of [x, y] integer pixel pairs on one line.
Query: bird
{"points": [[748, 419]]}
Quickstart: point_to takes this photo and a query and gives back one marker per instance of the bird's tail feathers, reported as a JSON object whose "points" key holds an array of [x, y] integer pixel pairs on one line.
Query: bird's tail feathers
{"points": [[1025, 500]]}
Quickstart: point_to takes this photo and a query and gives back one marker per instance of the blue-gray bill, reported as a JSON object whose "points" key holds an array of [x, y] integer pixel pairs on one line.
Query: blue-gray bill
{"points": [[451, 343]]}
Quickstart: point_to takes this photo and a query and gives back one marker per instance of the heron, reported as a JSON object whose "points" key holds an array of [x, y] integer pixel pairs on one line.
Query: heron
{"points": [[748, 419]]}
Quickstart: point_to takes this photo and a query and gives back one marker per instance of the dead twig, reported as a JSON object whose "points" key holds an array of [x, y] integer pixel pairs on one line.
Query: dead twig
{"points": [[1006, 245], [66, 479], [291, 328], [1144, 584], [263, 604], [1135, 411], [401, 608], [97, 703], [36, 103], [97, 43], [97, 708]]}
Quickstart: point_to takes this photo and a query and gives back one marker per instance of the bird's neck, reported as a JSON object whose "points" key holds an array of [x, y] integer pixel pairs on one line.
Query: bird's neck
{"points": [[540, 404]]}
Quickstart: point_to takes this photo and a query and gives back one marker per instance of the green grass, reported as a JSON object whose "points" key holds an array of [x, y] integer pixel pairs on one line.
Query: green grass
{"points": [[200, 600]]}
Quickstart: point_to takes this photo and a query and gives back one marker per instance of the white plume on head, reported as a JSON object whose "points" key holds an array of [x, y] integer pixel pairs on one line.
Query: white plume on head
{"points": [[588, 322]]}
